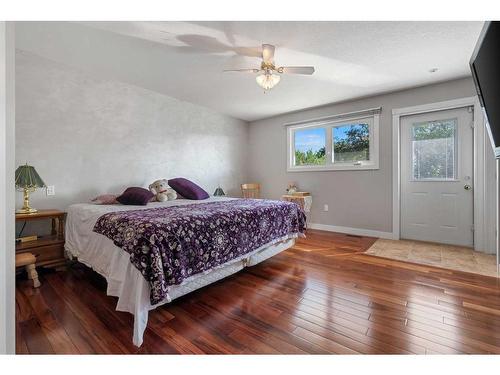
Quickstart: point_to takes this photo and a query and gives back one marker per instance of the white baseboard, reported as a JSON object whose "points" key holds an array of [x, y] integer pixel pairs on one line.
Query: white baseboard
{"points": [[348, 230]]}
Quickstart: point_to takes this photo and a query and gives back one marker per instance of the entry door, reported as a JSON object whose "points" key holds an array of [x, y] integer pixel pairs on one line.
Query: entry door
{"points": [[436, 177]]}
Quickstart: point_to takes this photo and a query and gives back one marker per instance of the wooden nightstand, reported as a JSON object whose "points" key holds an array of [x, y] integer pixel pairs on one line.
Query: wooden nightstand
{"points": [[49, 250]]}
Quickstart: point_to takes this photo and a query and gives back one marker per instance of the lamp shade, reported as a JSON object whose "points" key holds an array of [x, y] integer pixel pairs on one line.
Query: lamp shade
{"points": [[219, 192], [28, 178]]}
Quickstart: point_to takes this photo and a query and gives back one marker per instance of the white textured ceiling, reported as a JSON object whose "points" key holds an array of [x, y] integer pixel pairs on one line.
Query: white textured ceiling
{"points": [[185, 60]]}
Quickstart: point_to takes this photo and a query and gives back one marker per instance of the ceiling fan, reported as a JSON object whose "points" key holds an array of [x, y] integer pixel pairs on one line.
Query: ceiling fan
{"points": [[270, 75]]}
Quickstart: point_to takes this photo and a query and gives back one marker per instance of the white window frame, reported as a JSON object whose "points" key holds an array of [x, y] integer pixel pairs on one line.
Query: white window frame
{"points": [[329, 123]]}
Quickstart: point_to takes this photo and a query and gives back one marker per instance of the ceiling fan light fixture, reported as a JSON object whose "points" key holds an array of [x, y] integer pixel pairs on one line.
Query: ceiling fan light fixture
{"points": [[268, 74], [268, 80]]}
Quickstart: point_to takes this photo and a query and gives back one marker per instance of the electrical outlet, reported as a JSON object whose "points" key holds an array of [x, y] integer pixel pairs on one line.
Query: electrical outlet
{"points": [[51, 190], [325, 207]]}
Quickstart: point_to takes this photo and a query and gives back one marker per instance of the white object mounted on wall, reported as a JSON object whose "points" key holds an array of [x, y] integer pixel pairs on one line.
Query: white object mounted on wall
{"points": [[51, 190]]}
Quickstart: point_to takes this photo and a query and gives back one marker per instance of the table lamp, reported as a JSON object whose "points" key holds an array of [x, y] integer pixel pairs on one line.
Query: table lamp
{"points": [[27, 180], [219, 192]]}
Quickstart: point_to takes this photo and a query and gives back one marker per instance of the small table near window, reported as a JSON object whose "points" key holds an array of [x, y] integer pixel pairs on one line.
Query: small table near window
{"points": [[303, 199]]}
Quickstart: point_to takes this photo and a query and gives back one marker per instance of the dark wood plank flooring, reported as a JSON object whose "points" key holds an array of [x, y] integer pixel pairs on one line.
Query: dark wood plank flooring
{"points": [[322, 296]]}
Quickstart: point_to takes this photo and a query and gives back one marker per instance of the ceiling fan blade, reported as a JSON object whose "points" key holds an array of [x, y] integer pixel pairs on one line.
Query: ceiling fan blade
{"points": [[268, 53], [242, 70], [296, 69]]}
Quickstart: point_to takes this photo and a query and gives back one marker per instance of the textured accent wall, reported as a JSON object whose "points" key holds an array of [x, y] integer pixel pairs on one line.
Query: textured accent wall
{"points": [[356, 199], [88, 135]]}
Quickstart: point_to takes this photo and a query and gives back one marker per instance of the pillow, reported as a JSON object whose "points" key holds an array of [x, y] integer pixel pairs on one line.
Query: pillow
{"points": [[135, 196], [105, 199], [188, 189]]}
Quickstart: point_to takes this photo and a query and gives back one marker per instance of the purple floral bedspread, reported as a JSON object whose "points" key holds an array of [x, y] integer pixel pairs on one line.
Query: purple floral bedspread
{"points": [[170, 244]]}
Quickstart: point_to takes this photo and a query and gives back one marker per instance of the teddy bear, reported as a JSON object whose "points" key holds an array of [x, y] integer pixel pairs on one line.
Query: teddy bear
{"points": [[162, 191]]}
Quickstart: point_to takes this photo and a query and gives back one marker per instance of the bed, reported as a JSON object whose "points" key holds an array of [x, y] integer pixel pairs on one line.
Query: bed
{"points": [[151, 255]]}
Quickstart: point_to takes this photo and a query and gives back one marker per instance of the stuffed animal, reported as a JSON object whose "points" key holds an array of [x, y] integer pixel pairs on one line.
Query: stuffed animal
{"points": [[162, 191]]}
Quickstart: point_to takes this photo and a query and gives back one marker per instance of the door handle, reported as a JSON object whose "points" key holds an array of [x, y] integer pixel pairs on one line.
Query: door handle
{"points": [[467, 187]]}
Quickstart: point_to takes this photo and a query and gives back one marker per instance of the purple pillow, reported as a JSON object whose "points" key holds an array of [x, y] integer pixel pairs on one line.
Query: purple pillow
{"points": [[188, 189], [135, 196]]}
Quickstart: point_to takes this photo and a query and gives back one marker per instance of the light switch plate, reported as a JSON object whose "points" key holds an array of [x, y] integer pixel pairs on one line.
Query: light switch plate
{"points": [[325, 207], [51, 190]]}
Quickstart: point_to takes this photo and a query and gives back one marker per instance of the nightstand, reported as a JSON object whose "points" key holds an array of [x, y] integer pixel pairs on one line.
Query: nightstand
{"points": [[49, 250]]}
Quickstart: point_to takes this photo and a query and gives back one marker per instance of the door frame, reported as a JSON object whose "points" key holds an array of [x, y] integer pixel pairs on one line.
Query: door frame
{"points": [[7, 192], [480, 233]]}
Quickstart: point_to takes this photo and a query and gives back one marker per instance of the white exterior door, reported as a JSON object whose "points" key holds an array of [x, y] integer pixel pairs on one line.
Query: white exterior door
{"points": [[437, 177]]}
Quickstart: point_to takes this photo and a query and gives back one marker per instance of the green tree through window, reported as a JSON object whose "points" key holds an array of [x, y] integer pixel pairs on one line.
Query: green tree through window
{"points": [[310, 157], [351, 143], [310, 146]]}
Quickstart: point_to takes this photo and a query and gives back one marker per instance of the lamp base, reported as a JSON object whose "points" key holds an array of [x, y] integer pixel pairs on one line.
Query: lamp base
{"points": [[26, 211]]}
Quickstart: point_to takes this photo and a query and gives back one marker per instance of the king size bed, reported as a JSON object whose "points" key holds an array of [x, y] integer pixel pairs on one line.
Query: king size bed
{"points": [[151, 255]]}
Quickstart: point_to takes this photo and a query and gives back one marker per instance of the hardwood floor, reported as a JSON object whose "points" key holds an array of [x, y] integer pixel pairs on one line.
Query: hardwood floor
{"points": [[322, 296]]}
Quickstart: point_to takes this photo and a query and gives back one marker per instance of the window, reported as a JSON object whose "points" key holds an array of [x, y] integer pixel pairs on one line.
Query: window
{"points": [[434, 150], [336, 144], [310, 146], [351, 143]]}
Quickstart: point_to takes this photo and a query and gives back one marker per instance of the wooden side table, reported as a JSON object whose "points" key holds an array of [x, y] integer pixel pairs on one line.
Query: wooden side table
{"points": [[304, 200], [48, 250]]}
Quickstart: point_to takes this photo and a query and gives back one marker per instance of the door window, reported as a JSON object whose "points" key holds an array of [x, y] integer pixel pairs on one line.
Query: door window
{"points": [[434, 150]]}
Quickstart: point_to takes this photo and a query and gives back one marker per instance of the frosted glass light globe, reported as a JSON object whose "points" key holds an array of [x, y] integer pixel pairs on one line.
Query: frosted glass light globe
{"points": [[268, 80]]}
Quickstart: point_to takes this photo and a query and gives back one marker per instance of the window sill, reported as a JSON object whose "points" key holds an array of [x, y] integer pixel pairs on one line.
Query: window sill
{"points": [[334, 168]]}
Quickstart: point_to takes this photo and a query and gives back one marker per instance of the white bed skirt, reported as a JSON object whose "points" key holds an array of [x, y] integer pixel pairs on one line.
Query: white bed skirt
{"points": [[124, 280]]}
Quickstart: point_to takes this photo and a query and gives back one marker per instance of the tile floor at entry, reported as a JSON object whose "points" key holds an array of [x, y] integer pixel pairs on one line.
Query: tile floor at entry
{"points": [[439, 255]]}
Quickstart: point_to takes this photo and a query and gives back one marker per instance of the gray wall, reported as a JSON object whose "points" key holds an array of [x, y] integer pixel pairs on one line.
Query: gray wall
{"points": [[89, 136], [357, 199]]}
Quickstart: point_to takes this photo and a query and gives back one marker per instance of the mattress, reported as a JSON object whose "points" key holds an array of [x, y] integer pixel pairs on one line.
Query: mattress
{"points": [[124, 280]]}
